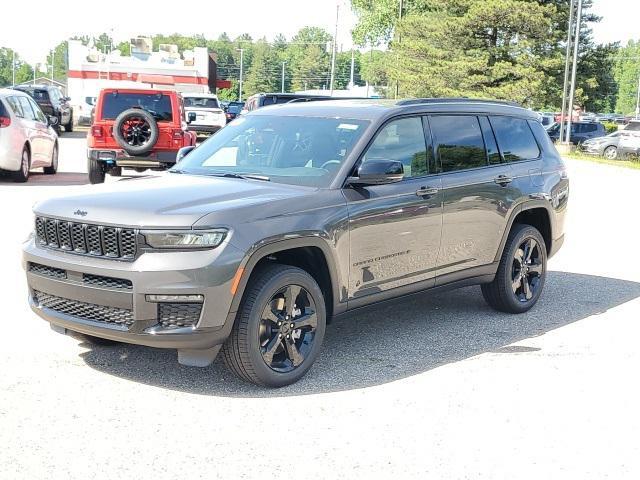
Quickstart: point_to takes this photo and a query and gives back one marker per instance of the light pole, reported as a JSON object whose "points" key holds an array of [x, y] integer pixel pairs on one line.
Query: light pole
{"points": [[241, 67], [573, 72], [53, 53], [399, 18], [567, 60], [283, 64], [638, 101], [333, 52], [13, 70]]}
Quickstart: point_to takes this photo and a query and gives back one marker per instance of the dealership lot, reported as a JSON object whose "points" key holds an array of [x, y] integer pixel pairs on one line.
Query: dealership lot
{"points": [[439, 386]]}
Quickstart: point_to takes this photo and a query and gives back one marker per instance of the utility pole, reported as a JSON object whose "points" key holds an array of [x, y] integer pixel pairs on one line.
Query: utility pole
{"points": [[353, 66], [35, 67], [399, 18], [575, 65], [333, 52], [283, 64], [638, 101], [13, 70], [241, 67], [53, 53], [565, 84]]}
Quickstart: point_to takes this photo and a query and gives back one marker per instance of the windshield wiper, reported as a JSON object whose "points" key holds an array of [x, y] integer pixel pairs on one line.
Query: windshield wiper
{"points": [[244, 176]]}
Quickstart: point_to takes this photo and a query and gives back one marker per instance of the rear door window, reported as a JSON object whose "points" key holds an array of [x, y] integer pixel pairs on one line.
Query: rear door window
{"points": [[459, 143], [14, 104], [156, 104], [515, 139], [39, 116], [28, 112]]}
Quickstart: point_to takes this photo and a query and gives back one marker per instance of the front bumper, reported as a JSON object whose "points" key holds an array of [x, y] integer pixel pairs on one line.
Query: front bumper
{"points": [[90, 308], [592, 149]]}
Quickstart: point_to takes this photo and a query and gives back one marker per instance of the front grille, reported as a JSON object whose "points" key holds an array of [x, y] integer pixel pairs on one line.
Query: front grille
{"points": [[106, 282], [46, 271], [174, 315], [87, 239], [85, 311]]}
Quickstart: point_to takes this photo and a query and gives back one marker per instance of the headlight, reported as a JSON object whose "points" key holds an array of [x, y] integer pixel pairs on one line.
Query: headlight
{"points": [[185, 239]]}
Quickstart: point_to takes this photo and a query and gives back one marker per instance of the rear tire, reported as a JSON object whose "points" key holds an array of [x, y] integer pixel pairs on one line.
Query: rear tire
{"points": [[96, 172], [22, 175], [53, 168], [263, 347], [521, 273], [69, 126]]}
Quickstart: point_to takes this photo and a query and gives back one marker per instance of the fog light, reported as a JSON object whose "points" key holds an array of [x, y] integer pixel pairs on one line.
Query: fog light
{"points": [[175, 298]]}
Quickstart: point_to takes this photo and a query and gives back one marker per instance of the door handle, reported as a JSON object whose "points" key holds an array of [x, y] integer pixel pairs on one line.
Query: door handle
{"points": [[503, 180], [426, 191]]}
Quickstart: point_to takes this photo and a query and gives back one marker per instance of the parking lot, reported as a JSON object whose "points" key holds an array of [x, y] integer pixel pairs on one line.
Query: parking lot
{"points": [[436, 387]]}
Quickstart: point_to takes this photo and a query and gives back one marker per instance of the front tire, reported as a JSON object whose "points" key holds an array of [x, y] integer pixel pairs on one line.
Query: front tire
{"points": [[521, 273], [610, 153], [279, 327], [96, 172], [53, 168], [22, 175]]}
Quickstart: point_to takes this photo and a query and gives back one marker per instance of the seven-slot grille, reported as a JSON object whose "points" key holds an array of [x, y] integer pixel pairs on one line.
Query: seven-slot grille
{"points": [[86, 239]]}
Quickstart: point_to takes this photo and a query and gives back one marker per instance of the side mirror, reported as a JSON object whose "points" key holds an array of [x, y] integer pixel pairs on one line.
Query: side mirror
{"points": [[52, 121], [183, 152], [191, 117], [378, 172]]}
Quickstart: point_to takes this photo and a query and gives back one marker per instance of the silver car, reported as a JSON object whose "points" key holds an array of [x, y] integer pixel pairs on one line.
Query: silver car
{"points": [[26, 138]]}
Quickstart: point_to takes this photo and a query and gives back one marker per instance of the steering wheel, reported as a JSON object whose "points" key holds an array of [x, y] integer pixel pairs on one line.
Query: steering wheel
{"points": [[328, 163]]}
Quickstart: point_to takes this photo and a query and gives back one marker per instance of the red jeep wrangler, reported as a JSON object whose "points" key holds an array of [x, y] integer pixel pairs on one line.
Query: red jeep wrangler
{"points": [[135, 128]]}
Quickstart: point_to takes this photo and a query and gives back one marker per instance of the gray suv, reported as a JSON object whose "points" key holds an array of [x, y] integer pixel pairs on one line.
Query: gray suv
{"points": [[297, 214]]}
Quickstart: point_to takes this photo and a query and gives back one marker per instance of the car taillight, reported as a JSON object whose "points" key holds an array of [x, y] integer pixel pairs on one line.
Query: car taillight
{"points": [[5, 122], [96, 131]]}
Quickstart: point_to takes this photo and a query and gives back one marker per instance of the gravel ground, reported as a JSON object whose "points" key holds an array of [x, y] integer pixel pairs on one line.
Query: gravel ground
{"points": [[439, 387]]}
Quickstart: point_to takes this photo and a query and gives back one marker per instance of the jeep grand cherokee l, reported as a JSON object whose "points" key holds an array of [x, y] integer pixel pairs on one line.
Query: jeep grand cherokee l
{"points": [[296, 214]]}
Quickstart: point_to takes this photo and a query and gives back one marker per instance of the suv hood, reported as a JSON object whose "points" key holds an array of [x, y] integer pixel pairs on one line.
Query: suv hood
{"points": [[171, 200]]}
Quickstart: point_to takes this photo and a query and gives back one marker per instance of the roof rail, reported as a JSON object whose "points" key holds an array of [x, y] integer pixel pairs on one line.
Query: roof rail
{"points": [[419, 101]]}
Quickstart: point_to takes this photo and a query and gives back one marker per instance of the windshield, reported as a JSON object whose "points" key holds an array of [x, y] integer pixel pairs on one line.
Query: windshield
{"points": [[296, 150], [156, 104], [202, 102]]}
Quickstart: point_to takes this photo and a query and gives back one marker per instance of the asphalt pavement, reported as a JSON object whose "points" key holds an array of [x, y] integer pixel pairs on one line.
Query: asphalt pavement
{"points": [[438, 387]]}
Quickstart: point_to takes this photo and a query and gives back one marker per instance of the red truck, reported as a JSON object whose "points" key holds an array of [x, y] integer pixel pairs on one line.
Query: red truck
{"points": [[136, 128]]}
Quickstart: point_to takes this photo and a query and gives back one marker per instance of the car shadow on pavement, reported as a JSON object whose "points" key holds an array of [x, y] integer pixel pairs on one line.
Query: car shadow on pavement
{"points": [[39, 179], [389, 343]]}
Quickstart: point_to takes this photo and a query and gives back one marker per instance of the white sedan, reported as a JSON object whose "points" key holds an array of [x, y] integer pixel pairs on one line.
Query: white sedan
{"points": [[26, 138]]}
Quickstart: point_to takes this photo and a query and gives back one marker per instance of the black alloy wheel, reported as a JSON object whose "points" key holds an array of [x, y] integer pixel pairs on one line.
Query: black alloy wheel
{"points": [[526, 270], [287, 328], [136, 131]]}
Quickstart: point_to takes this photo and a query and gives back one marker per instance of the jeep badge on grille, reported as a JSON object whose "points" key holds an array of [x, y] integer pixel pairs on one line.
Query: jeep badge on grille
{"points": [[82, 213]]}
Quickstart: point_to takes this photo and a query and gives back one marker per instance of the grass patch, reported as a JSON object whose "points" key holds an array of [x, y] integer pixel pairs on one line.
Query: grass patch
{"points": [[635, 164]]}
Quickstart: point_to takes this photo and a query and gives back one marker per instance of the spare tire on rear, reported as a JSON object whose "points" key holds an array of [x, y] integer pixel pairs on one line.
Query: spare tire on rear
{"points": [[136, 131]]}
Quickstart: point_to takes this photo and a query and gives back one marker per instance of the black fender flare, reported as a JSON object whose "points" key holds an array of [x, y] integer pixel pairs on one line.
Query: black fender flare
{"points": [[260, 251]]}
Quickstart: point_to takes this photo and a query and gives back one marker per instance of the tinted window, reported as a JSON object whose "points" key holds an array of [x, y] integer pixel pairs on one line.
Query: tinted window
{"points": [[37, 112], [515, 139], [202, 102], [459, 142], [26, 108], [589, 127], [490, 142], [14, 104], [401, 140], [295, 150], [157, 104]]}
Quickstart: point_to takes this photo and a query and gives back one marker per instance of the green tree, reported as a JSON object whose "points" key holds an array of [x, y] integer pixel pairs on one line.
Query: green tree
{"points": [[627, 76], [263, 76], [60, 61], [309, 59], [24, 71]]}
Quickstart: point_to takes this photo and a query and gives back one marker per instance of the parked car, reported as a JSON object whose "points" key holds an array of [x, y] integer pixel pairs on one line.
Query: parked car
{"points": [[300, 214], [86, 110], [580, 131], [260, 100], [546, 118], [233, 109], [27, 139], [136, 128], [52, 102], [209, 114], [606, 146], [629, 144]]}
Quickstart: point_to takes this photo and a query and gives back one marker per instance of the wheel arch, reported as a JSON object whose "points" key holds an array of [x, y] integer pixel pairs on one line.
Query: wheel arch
{"points": [[311, 254], [535, 213]]}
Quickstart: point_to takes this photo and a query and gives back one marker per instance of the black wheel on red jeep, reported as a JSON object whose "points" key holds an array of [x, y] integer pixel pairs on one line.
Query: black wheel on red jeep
{"points": [[136, 131]]}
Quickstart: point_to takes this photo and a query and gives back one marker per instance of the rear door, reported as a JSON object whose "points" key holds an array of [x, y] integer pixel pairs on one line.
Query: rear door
{"points": [[476, 194], [46, 139], [35, 137], [395, 229]]}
